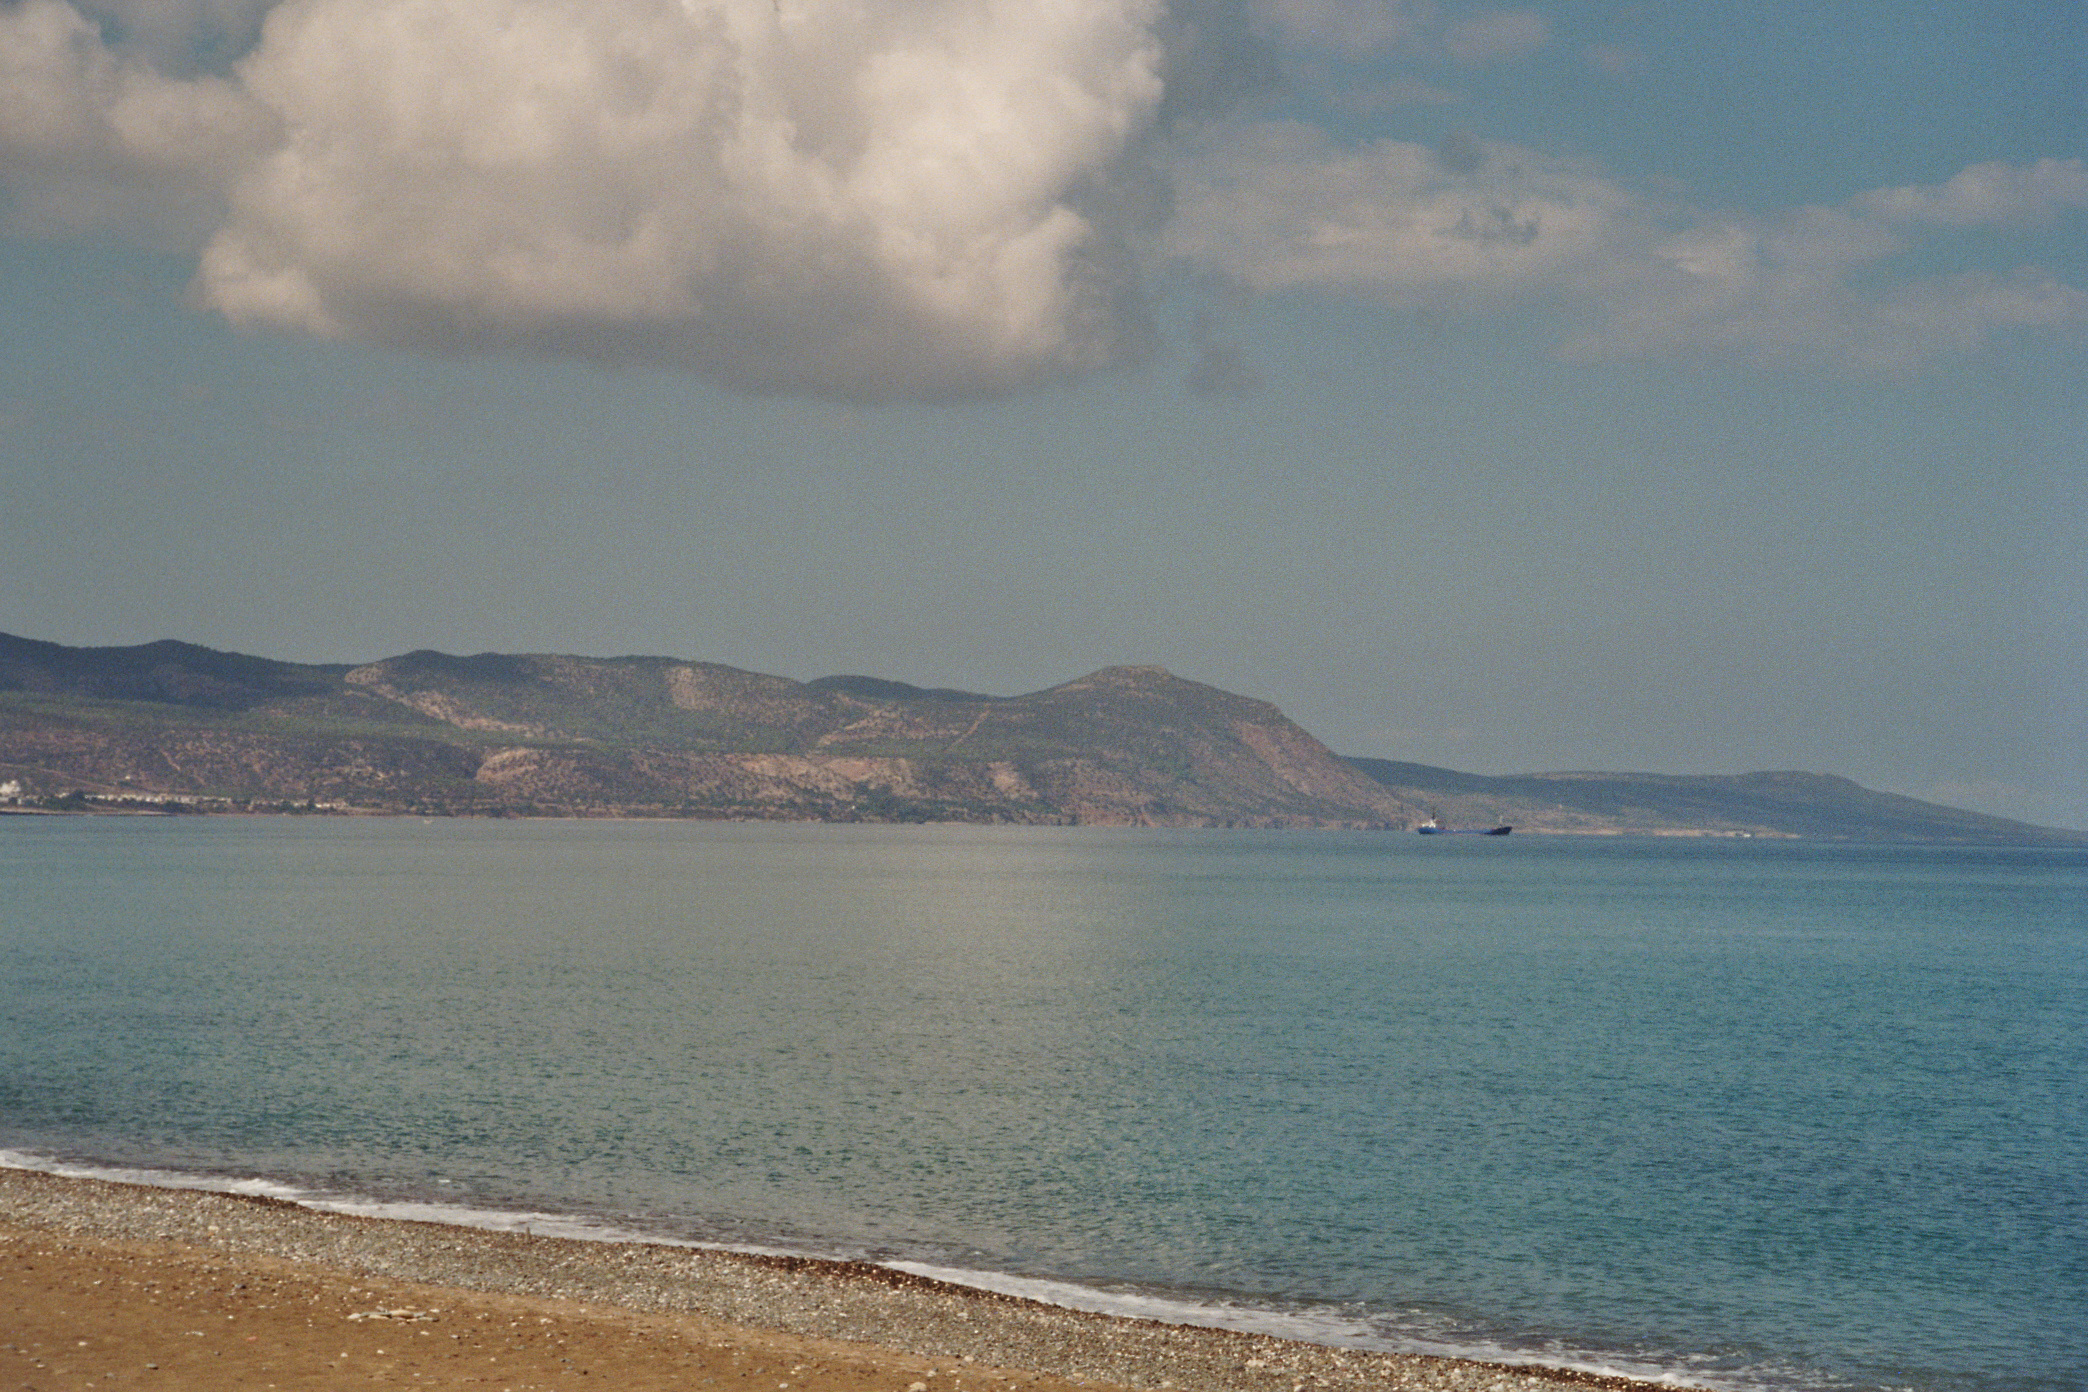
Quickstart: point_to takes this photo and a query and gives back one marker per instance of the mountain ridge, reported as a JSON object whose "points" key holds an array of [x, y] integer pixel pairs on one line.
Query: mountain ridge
{"points": [[550, 733], [172, 723]]}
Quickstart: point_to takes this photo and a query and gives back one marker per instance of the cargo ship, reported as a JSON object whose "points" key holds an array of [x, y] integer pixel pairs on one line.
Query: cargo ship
{"points": [[1431, 827]]}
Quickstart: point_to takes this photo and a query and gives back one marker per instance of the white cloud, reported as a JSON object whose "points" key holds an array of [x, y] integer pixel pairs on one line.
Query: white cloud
{"points": [[815, 196], [812, 195], [1278, 207], [88, 136], [1757, 288], [1959, 312], [1995, 193], [1805, 287]]}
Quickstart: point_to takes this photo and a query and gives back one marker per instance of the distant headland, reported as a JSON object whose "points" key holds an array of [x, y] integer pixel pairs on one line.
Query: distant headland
{"points": [[171, 726]]}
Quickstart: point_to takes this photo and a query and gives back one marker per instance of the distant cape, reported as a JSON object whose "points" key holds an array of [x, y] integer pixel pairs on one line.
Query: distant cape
{"points": [[172, 725], [1816, 806]]}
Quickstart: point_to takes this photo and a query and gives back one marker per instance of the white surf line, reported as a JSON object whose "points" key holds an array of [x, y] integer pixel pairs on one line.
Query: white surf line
{"points": [[1326, 1328]]}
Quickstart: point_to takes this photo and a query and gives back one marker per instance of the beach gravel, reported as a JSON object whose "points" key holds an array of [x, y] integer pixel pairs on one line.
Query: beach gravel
{"points": [[915, 1328]]}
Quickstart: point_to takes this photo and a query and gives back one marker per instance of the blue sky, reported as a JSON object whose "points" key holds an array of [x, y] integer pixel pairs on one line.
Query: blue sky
{"points": [[1577, 386]]}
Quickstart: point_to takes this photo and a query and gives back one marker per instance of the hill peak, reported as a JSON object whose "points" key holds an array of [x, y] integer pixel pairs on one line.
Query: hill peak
{"points": [[535, 733], [883, 689], [1124, 675]]}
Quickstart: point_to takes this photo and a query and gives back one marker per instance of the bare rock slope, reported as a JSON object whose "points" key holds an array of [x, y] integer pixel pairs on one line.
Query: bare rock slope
{"points": [[499, 733]]}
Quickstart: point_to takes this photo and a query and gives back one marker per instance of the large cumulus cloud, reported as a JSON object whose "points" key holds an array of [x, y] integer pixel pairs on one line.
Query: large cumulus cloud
{"points": [[863, 199]]}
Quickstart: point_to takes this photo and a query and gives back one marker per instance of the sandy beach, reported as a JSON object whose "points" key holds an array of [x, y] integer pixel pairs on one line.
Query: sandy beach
{"points": [[117, 1285]]}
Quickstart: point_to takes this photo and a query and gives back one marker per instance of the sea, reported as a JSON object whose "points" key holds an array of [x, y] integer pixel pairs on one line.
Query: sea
{"points": [[1749, 1115]]}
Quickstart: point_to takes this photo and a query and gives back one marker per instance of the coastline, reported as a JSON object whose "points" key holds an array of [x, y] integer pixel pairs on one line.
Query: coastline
{"points": [[90, 1256]]}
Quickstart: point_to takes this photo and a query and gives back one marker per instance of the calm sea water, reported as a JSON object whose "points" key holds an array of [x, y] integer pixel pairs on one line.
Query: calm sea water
{"points": [[1756, 1115]]}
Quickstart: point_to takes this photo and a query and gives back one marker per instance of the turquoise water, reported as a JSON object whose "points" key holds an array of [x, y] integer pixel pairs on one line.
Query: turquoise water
{"points": [[1753, 1115]]}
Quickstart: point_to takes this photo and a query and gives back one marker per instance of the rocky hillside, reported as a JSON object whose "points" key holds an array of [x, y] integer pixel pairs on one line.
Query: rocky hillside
{"points": [[538, 734], [500, 734]]}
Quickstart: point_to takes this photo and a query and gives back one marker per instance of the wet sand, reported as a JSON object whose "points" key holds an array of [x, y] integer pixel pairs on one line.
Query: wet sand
{"points": [[117, 1285]]}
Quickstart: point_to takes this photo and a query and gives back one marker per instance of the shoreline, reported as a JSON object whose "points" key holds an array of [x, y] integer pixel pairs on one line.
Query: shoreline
{"points": [[2061, 838], [631, 1304]]}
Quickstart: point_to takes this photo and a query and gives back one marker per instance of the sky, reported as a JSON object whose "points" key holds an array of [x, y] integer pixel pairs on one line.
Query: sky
{"points": [[1691, 388]]}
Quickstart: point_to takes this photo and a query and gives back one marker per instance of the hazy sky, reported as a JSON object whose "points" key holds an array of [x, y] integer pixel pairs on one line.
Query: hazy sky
{"points": [[1691, 387]]}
